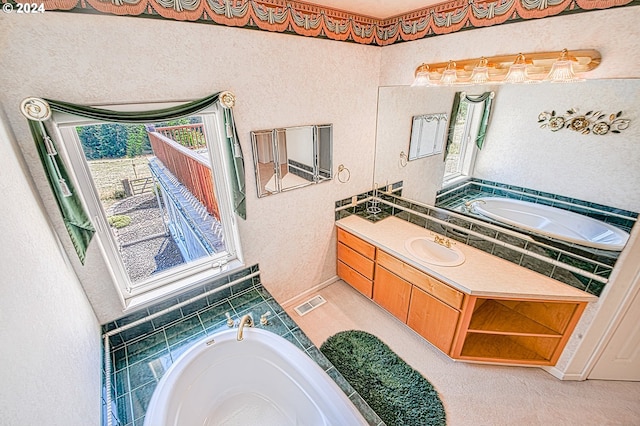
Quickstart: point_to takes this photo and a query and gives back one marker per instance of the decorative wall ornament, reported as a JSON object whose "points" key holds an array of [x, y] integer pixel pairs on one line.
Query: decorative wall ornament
{"points": [[592, 122], [36, 109], [227, 99], [285, 16]]}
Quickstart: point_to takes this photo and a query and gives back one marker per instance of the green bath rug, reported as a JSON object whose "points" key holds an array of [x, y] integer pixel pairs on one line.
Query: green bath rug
{"points": [[394, 390]]}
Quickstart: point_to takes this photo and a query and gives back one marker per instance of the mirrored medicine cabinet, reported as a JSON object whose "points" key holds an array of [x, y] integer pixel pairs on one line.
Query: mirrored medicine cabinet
{"points": [[428, 132], [292, 157]]}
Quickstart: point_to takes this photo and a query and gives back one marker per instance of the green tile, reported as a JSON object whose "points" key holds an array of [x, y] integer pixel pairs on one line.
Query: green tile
{"points": [[148, 370], [125, 414], [140, 399], [243, 300], [596, 288], [182, 329], [215, 315], [340, 381], [146, 347], [367, 412], [537, 265]]}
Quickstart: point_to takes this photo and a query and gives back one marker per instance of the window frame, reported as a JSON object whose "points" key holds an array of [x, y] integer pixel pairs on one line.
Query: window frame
{"points": [[468, 148], [177, 278]]}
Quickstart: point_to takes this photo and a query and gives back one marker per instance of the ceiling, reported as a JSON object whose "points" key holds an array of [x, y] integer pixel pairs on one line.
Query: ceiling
{"points": [[379, 9]]}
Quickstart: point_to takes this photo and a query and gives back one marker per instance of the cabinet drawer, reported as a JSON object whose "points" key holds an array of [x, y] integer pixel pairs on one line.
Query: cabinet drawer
{"points": [[356, 280], [362, 247], [355, 260], [442, 291]]}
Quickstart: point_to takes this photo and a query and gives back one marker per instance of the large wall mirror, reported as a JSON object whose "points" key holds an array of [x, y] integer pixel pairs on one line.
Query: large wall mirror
{"points": [[292, 157], [517, 151]]}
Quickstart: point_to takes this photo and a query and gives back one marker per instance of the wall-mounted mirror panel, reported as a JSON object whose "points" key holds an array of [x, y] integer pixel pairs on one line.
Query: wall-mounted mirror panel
{"points": [[428, 132], [292, 157], [517, 151]]}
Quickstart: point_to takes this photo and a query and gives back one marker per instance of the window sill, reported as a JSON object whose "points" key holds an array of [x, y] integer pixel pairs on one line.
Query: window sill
{"points": [[134, 303]]}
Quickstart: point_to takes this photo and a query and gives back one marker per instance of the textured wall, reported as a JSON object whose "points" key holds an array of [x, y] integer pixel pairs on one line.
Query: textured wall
{"points": [[279, 81], [597, 168], [51, 351]]}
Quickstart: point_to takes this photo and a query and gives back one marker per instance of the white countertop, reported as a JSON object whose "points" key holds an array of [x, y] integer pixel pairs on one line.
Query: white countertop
{"points": [[481, 274]]}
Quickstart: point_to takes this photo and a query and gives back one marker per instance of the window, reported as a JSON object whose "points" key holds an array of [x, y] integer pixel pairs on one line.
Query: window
{"points": [[159, 197], [469, 119]]}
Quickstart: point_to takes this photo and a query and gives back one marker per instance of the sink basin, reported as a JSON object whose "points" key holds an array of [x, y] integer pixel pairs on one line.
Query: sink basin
{"points": [[427, 250]]}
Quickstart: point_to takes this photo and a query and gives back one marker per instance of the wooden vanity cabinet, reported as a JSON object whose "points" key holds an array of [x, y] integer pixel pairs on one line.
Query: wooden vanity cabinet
{"points": [[356, 259], [505, 329], [428, 306], [432, 319], [392, 293]]}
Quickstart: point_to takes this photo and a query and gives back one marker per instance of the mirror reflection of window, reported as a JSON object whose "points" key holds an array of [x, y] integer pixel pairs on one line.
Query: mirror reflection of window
{"points": [[427, 135], [265, 161], [466, 134]]}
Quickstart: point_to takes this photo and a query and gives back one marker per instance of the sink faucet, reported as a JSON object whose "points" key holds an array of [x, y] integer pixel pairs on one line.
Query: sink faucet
{"points": [[245, 320], [469, 204], [442, 241]]}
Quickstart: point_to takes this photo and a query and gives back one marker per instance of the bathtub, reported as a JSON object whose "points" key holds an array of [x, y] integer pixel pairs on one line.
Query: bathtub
{"points": [[264, 379], [552, 222]]}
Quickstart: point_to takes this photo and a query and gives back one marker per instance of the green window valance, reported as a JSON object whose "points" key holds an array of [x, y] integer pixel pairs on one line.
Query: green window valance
{"points": [[75, 218], [487, 98]]}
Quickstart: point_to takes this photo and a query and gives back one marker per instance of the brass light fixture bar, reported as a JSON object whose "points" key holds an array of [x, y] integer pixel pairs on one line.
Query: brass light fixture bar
{"points": [[538, 67]]}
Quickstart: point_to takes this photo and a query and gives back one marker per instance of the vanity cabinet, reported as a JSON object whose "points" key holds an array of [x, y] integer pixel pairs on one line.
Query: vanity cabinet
{"points": [[480, 317], [429, 306], [392, 293], [516, 331], [356, 259]]}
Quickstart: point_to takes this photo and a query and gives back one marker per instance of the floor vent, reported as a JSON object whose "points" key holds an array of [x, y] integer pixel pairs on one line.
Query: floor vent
{"points": [[310, 305]]}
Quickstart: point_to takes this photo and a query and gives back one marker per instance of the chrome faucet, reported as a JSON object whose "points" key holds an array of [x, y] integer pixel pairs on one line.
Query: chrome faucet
{"points": [[245, 320], [469, 204]]}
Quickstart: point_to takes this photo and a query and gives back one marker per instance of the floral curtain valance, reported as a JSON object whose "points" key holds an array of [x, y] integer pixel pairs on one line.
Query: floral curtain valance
{"points": [[75, 217]]}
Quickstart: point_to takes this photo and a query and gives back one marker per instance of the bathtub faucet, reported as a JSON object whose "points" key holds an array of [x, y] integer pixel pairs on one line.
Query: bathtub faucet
{"points": [[469, 204], [245, 320]]}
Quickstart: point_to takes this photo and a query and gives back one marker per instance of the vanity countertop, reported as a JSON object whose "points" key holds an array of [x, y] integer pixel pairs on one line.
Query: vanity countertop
{"points": [[481, 274]]}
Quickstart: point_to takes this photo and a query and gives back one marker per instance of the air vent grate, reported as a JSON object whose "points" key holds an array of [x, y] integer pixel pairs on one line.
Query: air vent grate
{"points": [[310, 305]]}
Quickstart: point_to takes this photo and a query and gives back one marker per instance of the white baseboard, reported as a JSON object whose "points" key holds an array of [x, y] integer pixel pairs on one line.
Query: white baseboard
{"points": [[559, 374], [305, 294]]}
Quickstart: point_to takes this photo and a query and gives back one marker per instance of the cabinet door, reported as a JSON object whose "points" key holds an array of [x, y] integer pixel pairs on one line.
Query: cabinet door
{"points": [[392, 293], [432, 319]]}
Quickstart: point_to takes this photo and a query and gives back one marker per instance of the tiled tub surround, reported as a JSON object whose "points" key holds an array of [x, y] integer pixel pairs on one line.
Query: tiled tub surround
{"points": [[141, 355], [454, 197], [584, 271]]}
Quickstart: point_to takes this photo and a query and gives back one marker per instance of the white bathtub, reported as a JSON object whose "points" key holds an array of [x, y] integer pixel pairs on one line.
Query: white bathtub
{"points": [[264, 379], [553, 222]]}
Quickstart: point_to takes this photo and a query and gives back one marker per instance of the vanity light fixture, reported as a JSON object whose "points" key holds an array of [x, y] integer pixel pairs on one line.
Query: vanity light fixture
{"points": [[518, 71], [480, 73], [562, 69], [521, 68], [421, 76], [449, 75]]}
